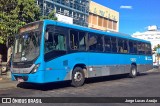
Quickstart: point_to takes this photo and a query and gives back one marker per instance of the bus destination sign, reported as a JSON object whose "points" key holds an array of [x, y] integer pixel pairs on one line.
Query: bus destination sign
{"points": [[29, 28]]}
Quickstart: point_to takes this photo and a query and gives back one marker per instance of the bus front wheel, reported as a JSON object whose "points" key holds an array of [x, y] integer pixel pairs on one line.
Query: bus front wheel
{"points": [[133, 71], [78, 77]]}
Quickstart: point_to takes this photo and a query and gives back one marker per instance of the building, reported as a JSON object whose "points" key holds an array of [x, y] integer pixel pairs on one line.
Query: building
{"points": [[71, 11], [152, 35], [82, 12], [103, 18]]}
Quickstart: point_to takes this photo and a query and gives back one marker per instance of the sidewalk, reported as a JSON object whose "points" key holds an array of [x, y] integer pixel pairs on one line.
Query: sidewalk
{"points": [[154, 70], [6, 83]]}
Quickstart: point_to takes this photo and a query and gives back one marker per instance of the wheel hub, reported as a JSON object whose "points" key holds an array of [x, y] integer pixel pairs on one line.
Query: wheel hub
{"points": [[134, 72], [78, 76]]}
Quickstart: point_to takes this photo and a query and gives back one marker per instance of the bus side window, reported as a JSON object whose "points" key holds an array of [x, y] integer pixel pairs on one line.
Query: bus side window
{"points": [[107, 44], [148, 49], [74, 40], [141, 48], [135, 47], [99, 43], [125, 46], [95, 42], [59, 42], [132, 47], [82, 40], [120, 45], [114, 44], [92, 41], [49, 42]]}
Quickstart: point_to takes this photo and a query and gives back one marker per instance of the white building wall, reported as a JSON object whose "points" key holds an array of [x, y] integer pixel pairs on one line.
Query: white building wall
{"points": [[152, 35]]}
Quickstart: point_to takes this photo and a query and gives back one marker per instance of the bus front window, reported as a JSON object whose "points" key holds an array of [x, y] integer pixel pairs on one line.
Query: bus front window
{"points": [[26, 46]]}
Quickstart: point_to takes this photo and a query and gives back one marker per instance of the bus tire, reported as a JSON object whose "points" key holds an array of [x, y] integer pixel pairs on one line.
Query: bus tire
{"points": [[133, 72], [78, 77]]}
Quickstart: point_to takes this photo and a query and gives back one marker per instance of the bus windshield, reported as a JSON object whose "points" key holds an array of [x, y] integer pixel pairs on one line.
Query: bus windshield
{"points": [[27, 46]]}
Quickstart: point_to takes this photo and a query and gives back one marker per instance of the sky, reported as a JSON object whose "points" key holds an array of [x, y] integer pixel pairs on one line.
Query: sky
{"points": [[135, 15]]}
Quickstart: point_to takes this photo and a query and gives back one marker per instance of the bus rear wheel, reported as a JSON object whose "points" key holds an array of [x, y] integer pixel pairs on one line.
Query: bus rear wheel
{"points": [[133, 72], [78, 77]]}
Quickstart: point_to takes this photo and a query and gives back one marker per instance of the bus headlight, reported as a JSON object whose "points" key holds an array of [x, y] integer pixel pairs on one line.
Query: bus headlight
{"points": [[35, 68]]}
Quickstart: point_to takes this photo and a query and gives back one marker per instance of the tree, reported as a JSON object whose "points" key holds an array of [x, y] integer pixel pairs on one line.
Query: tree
{"points": [[6, 6], [155, 48], [14, 14]]}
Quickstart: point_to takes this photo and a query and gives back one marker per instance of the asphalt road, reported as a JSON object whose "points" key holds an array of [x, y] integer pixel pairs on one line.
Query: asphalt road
{"points": [[144, 85]]}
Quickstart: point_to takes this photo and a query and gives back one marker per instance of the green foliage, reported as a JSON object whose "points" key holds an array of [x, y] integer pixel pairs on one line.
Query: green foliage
{"points": [[14, 14], [51, 16], [7, 5], [155, 48]]}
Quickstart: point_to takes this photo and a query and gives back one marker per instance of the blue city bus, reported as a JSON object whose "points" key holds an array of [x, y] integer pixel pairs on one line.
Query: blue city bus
{"points": [[50, 51]]}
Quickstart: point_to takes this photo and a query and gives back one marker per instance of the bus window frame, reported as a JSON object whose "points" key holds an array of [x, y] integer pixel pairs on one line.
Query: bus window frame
{"points": [[109, 51], [134, 43], [103, 36], [124, 41], [116, 52], [78, 46], [97, 35], [139, 50], [149, 50], [50, 55]]}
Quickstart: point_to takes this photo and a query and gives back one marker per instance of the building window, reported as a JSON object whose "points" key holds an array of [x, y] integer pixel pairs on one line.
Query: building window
{"points": [[114, 25], [66, 12], [90, 18], [94, 19], [110, 24], [100, 21], [105, 22]]}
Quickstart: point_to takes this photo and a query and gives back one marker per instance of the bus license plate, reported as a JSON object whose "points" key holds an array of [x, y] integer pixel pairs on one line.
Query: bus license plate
{"points": [[20, 80]]}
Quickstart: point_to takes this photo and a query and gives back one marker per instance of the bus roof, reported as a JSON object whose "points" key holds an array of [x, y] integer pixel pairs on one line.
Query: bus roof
{"points": [[114, 34]]}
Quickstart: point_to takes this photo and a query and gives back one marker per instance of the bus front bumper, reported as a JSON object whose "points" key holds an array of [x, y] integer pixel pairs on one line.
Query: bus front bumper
{"points": [[37, 77]]}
